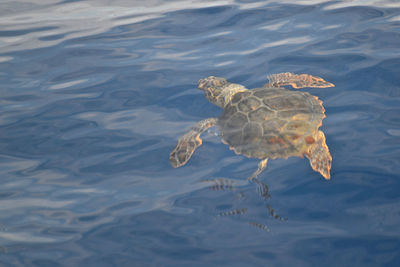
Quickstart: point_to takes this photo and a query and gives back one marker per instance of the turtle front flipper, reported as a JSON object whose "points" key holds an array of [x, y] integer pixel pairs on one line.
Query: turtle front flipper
{"points": [[319, 156], [188, 143], [296, 81]]}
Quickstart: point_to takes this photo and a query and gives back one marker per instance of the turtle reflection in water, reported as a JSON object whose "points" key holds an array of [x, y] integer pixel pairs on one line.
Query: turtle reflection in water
{"points": [[265, 123]]}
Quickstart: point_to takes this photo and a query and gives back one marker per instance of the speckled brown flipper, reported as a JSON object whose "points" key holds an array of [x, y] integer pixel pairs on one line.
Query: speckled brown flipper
{"points": [[188, 143], [319, 156], [296, 81]]}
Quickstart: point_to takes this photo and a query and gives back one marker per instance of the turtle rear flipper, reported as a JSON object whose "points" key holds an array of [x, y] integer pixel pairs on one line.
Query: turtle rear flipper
{"points": [[188, 143], [261, 167], [319, 156], [296, 80]]}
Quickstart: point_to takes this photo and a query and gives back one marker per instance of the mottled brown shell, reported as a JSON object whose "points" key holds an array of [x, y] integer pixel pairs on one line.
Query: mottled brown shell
{"points": [[271, 122]]}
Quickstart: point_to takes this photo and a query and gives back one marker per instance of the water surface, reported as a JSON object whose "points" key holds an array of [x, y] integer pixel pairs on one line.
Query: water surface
{"points": [[95, 94]]}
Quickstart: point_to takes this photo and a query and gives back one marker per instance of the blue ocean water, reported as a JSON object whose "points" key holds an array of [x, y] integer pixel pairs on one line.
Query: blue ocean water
{"points": [[95, 94]]}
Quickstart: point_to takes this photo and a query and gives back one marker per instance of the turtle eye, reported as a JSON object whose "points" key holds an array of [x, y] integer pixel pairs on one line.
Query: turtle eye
{"points": [[217, 83]]}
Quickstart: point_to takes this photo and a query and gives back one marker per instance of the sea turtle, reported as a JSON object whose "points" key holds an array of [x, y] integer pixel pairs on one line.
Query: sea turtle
{"points": [[265, 123]]}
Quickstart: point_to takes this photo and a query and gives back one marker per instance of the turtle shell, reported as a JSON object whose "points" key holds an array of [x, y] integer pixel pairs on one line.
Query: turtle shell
{"points": [[271, 122]]}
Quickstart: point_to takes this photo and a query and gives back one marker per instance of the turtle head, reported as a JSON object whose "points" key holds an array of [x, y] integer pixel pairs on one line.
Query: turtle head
{"points": [[215, 89]]}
